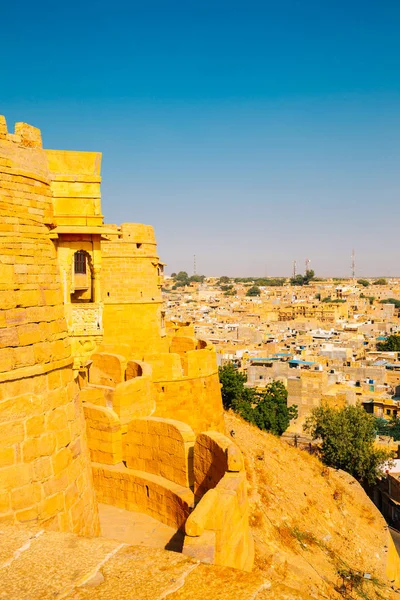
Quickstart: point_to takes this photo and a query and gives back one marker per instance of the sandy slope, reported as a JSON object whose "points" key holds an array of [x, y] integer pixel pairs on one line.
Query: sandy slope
{"points": [[309, 522]]}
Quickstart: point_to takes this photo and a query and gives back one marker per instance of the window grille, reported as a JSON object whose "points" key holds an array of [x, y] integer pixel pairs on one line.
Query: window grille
{"points": [[80, 262]]}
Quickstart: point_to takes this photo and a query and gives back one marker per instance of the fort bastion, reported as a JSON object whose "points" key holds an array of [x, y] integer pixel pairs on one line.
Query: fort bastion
{"points": [[100, 399]]}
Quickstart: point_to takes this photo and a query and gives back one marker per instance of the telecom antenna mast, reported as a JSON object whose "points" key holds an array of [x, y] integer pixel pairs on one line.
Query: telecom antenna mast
{"points": [[308, 261], [353, 264], [194, 264], [294, 269]]}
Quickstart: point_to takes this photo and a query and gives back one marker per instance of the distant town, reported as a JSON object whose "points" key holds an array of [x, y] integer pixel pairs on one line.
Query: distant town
{"points": [[325, 339]]}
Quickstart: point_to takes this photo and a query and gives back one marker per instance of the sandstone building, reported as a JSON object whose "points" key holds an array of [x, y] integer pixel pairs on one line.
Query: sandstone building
{"points": [[99, 399]]}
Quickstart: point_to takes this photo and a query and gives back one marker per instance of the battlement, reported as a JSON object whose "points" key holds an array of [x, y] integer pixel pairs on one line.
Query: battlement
{"points": [[136, 233], [24, 135]]}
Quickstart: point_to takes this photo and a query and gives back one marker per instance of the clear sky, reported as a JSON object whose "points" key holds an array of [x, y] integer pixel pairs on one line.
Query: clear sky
{"points": [[250, 133]]}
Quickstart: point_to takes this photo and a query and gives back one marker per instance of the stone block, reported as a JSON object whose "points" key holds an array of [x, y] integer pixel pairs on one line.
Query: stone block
{"points": [[42, 446], [35, 426], [201, 548], [8, 337], [26, 496], [15, 476], [42, 469], [61, 460], [27, 515]]}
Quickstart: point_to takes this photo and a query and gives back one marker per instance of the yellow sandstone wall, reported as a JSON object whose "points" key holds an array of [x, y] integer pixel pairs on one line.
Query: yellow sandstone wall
{"points": [[131, 290], [45, 473], [217, 531], [161, 446]]}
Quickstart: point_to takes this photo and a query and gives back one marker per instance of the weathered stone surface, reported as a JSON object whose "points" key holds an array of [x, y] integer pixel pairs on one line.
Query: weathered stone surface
{"points": [[37, 388]]}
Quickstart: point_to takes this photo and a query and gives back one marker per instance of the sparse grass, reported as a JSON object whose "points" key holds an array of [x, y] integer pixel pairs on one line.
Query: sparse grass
{"points": [[286, 536], [290, 535], [305, 538], [353, 581]]}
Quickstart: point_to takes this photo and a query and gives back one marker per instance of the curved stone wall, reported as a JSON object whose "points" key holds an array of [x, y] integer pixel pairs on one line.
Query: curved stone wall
{"points": [[45, 473]]}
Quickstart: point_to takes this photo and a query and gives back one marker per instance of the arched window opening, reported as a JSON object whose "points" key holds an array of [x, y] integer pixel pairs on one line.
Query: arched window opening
{"points": [[82, 283], [80, 262]]}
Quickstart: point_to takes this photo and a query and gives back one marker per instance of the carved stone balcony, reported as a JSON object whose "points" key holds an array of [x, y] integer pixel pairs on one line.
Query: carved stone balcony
{"points": [[84, 319]]}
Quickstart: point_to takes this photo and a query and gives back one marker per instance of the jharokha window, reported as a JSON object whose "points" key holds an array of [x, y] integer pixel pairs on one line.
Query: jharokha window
{"points": [[80, 262]]}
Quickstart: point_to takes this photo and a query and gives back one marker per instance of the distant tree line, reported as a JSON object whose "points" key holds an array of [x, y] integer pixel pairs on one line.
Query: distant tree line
{"points": [[182, 279], [262, 281]]}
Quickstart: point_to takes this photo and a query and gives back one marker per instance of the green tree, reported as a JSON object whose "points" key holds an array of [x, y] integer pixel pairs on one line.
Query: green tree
{"points": [[347, 441], [380, 281], [390, 428], [370, 298], [394, 301], [363, 282], [178, 284], [309, 276], [303, 279], [254, 290], [232, 382], [224, 279], [391, 344], [267, 409], [197, 278], [271, 412]]}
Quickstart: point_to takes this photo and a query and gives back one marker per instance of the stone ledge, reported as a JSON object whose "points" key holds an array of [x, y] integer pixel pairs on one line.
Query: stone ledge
{"points": [[39, 369]]}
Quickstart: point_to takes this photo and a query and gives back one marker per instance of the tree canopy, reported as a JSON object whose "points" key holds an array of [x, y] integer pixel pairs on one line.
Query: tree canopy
{"points": [[380, 281], [254, 290], [303, 279], [394, 301], [267, 409], [363, 282], [347, 441], [263, 281], [390, 428], [182, 279], [391, 344]]}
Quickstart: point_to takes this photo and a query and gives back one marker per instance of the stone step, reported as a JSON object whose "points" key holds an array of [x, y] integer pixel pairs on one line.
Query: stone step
{"points": [[45, 565]]}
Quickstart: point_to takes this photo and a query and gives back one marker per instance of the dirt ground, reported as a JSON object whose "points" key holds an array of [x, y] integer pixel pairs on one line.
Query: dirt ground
{"points": [[317, 534]]}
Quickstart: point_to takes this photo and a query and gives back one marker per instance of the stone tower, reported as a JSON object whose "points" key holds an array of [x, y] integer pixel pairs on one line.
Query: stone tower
{"points": [[45, 473], [131, 281]]}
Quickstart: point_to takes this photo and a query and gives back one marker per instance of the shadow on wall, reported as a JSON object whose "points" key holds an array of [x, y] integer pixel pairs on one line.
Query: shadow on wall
{"points": [[197, 485]]}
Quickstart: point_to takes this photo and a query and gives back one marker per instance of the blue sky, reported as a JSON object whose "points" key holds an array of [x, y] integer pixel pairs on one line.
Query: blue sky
{"points": [[248, 133]]}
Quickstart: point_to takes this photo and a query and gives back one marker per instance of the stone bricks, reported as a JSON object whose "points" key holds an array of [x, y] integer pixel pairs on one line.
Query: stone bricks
{"points": [[221, 487], [35, 366], [161, 446], [53, 319], [36, 447]]}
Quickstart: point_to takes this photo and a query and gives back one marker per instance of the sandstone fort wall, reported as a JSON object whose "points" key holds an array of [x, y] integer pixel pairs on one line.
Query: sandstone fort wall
{"points": [[45, 473]]}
